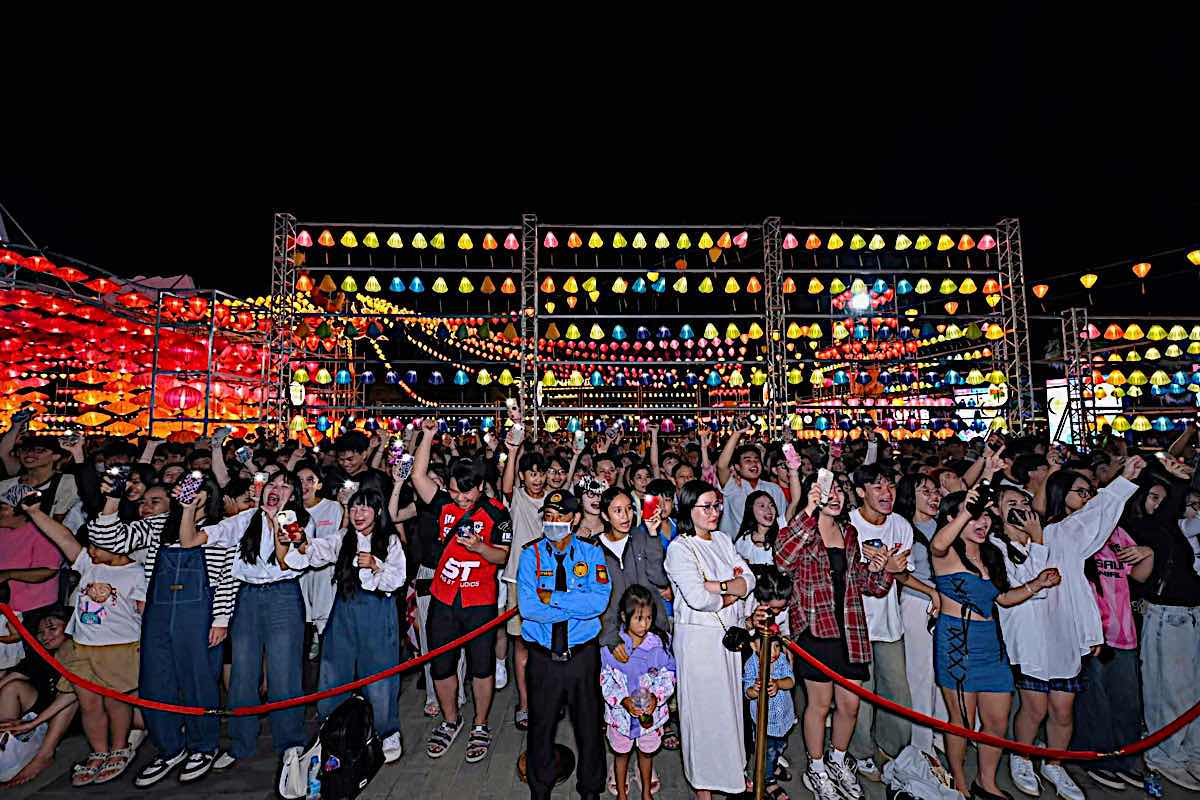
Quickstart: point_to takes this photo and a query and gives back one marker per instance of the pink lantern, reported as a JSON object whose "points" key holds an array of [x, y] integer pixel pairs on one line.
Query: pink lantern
{"points": [[789, 242], [741, 240], [511, 243]]}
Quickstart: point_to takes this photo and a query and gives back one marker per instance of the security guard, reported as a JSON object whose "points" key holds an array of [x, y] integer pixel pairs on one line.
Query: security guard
{"points": [[562, 589]]}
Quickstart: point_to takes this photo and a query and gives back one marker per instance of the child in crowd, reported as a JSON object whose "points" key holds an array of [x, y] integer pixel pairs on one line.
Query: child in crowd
{"points": [[781, 714], [107, 631], [636, 691]]}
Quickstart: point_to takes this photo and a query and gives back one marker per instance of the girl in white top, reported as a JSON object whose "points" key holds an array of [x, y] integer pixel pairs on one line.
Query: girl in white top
{"points": [[363, 637], [317, 584], [708, 578], [1047, 637], [755, 542]]}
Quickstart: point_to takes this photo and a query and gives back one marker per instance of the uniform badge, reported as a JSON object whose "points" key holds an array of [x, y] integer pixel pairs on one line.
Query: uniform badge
{"points": [[601, 573], [580, 569]]}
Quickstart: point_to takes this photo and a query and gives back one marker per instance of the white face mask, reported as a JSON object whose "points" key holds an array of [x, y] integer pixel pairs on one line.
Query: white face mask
{"points": [[556, 531]]}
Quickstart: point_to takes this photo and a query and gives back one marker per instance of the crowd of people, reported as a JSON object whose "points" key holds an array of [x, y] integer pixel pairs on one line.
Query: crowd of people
{"points": [[947, 576]]}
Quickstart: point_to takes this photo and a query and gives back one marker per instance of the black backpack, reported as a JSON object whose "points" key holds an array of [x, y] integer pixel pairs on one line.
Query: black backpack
{"points": [[351, 750]]}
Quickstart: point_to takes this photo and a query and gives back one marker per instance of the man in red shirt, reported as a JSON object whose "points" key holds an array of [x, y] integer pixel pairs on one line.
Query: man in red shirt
{"points": [[474, 534]]}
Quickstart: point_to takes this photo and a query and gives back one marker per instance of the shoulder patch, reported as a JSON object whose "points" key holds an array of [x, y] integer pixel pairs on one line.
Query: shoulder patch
{"points": [[601, 573], [532, 543]]}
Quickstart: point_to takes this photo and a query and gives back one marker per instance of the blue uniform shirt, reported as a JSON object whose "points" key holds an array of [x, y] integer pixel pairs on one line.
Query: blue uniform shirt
{"points": [[580, 606]]}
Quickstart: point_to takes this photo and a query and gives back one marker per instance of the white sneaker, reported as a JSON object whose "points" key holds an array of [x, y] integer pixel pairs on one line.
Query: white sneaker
{"points": [[501, 674], [820, 785], [866, 768], [1179, 776], [1020, 769], [393, 748], [224, 761], [843, 778], [136, 737], [1064, 787]]}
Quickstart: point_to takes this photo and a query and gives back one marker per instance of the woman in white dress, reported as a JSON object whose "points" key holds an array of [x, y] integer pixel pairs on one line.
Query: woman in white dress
{"points": [[708, 578]]}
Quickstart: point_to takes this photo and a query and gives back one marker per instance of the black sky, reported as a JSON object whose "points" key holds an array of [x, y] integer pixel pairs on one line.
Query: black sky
{"points": [[1089, 140]]}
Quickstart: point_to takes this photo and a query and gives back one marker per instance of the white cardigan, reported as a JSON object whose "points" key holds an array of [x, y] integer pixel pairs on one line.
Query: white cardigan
{"points": [[1048, 635]]}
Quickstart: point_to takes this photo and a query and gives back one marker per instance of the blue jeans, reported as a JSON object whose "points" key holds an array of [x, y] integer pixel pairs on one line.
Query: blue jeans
{"points": [[775, 747], [177, 664], [361, 639], [1108, 714], [1171, 680], [269, 621]]}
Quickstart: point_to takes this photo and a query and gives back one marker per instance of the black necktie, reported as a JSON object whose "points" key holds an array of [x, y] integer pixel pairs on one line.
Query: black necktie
{"points": [[559, 643]]}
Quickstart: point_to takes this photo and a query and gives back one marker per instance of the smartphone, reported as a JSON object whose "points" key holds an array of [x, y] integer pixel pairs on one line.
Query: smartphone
{"points": [[185, 491], [1016, 517], [291, 526], [24, 415], [119, 478], [516, 435], [876, 543], [791, 456], [650, 507], [580, 440], [825, 484], [244, 454], [350, 486]]}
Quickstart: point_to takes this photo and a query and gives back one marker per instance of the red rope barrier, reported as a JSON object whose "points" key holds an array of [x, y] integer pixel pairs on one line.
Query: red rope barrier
{"points": [[245, 711], [987, 738]]}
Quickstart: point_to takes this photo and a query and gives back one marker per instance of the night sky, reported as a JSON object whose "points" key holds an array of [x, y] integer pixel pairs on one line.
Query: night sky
{"points": [[1092, 147]]}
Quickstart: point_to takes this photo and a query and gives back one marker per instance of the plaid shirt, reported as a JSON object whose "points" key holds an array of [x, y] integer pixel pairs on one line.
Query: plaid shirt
{"points": [[800, 551]]}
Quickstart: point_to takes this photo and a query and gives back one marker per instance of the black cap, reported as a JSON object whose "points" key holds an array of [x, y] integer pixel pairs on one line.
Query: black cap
{"points": [[45, 442], [560, 501]]}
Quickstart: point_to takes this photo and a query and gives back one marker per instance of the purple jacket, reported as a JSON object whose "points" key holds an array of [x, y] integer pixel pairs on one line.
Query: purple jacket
{"points": [[650, 667]]}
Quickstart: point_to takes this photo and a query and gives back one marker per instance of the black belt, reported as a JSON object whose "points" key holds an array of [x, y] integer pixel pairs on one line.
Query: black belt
{"points": [[562, 657]]}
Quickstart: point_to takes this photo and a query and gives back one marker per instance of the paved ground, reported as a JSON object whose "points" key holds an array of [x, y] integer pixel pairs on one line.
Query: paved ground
{"points": [[415, 775]]}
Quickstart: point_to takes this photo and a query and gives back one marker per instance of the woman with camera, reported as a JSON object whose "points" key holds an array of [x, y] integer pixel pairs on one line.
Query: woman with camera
{"points": [[1048, 636], [820, 549], [708, 579]]}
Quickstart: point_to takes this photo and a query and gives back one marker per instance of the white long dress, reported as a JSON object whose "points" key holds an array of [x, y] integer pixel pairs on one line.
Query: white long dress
{"points": [[710, 677]]}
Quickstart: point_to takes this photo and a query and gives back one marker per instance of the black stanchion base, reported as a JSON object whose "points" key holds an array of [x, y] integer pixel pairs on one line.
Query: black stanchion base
{"points": [[564, 760]]}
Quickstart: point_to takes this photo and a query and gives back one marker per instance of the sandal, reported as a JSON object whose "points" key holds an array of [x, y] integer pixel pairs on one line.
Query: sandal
{"points": [[775, 792], [442, 737], [521, 720], [85, 772], [670, 738], [432, 709], [117, 762], [478, 744]]}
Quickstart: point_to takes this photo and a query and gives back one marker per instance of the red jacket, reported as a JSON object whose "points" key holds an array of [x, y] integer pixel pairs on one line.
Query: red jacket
{"points": [[800, 551]]}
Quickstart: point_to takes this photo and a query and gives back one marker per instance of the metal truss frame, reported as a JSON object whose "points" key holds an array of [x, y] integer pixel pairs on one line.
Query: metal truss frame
{"points": [[1014, 350], [1077, 361]]}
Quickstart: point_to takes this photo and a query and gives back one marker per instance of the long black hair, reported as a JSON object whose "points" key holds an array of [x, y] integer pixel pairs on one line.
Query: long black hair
{"points": [[345, 574], [811, 481], [211, 512], [906, 501], [750, 524], [1058, 486], [637, 596], [689, 495], [989, 553], [252, 538]]}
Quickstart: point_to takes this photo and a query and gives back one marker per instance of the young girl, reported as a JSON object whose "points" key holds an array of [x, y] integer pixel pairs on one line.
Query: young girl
{"points": [[637, 689], [107, 630], [755, 542], [781, 714], [589, 490], [269, 621], [970, 665], [820, 548], [364, 634]]}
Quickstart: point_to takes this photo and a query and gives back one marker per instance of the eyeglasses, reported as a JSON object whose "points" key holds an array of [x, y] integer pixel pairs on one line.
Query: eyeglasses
{"points": [[1086, 492], [1194, 506], [710, 506]]}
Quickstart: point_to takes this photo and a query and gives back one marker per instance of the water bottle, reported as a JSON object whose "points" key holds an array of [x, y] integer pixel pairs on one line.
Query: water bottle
{"points": [[314, 779], [1153, 785]]}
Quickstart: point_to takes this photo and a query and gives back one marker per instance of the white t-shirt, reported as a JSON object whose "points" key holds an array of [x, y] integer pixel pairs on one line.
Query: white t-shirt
{"points": [[66, 496], [327, 518], [735, 492], [105, 608], [884, 623], [526, 513], [617, 548], [316, 585], [747, 549], [1191, 530]]}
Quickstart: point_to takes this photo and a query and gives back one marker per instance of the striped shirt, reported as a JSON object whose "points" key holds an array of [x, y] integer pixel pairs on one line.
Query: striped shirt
{"points": [[109, 532]]}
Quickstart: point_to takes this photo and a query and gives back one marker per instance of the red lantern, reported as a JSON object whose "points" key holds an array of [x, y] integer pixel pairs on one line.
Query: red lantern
{"points": [[183, 397], [197, 305]]}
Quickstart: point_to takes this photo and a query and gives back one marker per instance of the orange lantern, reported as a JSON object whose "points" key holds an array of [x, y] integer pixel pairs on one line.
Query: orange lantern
{"points": [[1040, 290]]}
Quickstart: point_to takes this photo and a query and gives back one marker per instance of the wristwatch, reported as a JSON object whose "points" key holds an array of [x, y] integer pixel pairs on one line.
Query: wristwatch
{"points": [[724, 586]]}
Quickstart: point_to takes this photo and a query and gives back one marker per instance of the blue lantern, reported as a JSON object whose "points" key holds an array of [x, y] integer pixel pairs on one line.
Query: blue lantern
{"points": [[599, 425], [619, 379], [861, 332], [443, 426], [689, 424], [1176, 389], [396, 285], [391, 377], [1180, 377], [670, 378], [686, 333], [905, 333], [415, 285], [903, 287], [572, 424], [342, 378], [1162, 424], [664, 332], [639, 286], [443, 331], [372, 424], [463, 426], [461, 378], [928, 331], [487, 423], [863, 378], [643, 333], [366, 377], [373, 331], [821, 424], [646, 379], [879, 287], [884, 333], [410, 376], [618, 333], [597, 379], [436, 379], [952, 378], [323, 423], [659, 285], [912, 423], [840, 378], [713, 379], [691, 379], [885, 379]]}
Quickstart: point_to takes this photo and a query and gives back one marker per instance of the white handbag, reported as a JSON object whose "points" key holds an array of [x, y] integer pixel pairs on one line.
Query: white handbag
{"points": [[293, 771]]}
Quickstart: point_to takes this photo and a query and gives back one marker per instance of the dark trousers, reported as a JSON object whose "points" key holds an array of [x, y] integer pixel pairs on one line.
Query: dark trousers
{"points": [[1108, 714], [576, 685]]}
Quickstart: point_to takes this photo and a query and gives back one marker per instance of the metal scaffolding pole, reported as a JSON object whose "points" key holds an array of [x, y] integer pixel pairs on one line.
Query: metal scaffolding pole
{"points": [[529, 319], [1014, 350], [282, 327], [776, 387], [1077, 360]]}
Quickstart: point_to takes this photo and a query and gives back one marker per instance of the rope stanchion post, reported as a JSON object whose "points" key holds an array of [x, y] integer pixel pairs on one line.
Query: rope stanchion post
{"points": [[760, 732]]}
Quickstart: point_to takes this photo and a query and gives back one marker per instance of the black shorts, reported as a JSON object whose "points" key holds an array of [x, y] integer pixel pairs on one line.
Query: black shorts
{"points": [[447, 623]]}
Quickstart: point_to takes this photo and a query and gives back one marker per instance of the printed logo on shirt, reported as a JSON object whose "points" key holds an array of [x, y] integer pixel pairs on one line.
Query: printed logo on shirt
{"points": [[454, 570], [581, 569]]}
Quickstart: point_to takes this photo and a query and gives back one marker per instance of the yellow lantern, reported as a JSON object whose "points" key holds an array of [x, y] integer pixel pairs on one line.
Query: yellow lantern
{"points": [[815, 286], [903, 242], [994, 332], [348, 239], [732, 332], [836, 286], [1134, 332], [1138, 378], [993, 300], [680, 285], [440, 286], [570, 286], [372, 284], [596, 332], [945, 242], [619, 286], [438, 242], [419, 242], [948, 286], [595, 242], [639, 242], [814, 331], [1160, 378], [923, 242], [705, 242], [736, 379], [464, 285], [548, 379], [706, 286], [731, 286], [349, 284], [483, 378], [755, 331], [967, 286], [876, 243], [575, 379], [683, 243], [1120, 424], [395, 242], [371, 240], [795, 376], [1156, 333], [835, 242], [710, 331], [661, 242], [1141, 423], [793, 331], [505, 379], [923, 286], [1088, 279], [552, 425], [464, 242], [618, 240], [573, 331], [857, 242]]}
